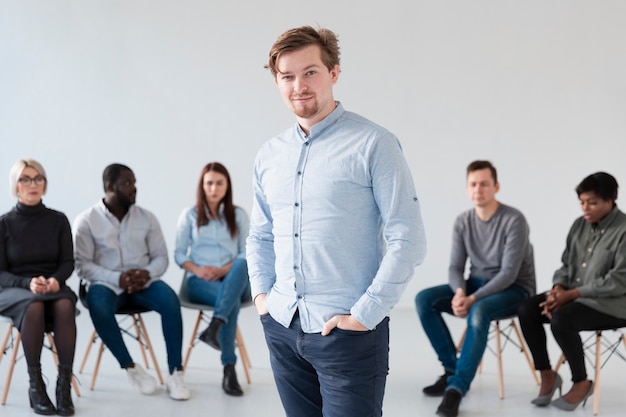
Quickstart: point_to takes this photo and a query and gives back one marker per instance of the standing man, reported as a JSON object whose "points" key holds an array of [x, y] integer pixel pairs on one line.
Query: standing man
{"points": [[335, 235], [494, 238], [120, 252]]}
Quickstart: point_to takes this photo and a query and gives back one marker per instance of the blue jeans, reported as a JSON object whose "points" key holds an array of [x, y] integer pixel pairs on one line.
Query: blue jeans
{"points": [[431, 302], [103, 303], [342, 374], [226, 296]]}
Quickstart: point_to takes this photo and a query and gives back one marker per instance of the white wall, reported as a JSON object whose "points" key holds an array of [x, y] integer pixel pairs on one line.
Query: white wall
{"points": [[166, 86]]}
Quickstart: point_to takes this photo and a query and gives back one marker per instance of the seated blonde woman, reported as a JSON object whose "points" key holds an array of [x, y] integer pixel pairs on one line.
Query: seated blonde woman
{"points": [[36, 258]]}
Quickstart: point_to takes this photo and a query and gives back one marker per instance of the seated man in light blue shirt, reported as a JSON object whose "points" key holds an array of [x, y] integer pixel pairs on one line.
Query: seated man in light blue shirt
{"points": [[335, 235], [120, 253]]}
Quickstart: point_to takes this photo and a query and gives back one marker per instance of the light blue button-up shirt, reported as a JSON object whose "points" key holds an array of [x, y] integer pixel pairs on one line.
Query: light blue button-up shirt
{"points": [[104, 247], [211, 244], [335, 226]]}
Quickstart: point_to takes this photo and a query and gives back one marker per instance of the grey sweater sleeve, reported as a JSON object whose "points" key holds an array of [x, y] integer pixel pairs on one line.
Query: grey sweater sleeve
{"points": [[458, 255]]}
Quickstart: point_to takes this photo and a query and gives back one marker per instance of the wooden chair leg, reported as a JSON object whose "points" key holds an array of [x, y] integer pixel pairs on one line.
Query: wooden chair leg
{"points": [[525, 351], [245, 359], [96, 367], [5, 342], [192, 340], [499, 358], [596, 388], [142, 348], [559, 363], [149, 347], [92, 341], [16, 348]]}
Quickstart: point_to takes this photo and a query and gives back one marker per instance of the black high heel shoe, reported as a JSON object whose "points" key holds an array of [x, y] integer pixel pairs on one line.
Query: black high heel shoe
{"points": [[564, 405], [543, 400]]}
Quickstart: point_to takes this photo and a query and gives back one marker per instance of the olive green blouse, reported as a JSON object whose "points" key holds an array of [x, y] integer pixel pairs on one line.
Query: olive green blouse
{"points": [[594, 262]]}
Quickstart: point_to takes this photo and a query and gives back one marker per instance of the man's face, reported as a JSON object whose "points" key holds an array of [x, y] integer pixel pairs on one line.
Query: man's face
{"points": [[481, 188], [306, 85], [594, 207], [125, 189]]}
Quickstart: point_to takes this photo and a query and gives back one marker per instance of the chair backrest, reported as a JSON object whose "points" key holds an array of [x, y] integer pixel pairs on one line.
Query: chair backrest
{"points": [[183, 292], [183, 295]]}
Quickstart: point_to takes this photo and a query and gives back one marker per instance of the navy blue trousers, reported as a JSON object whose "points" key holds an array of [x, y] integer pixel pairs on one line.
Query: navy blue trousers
{"points": [[342, 374]]}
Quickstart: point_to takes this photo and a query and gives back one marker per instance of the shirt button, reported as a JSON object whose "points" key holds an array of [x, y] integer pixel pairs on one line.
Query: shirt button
{"points": [[297, 204], [296, 235], [306, 143], [295, 267], [299, 172], [577, 279], [589, 250], [584, 264]]}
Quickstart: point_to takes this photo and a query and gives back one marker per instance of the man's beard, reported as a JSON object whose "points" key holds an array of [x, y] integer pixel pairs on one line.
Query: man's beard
{"points": [[308, 110]]}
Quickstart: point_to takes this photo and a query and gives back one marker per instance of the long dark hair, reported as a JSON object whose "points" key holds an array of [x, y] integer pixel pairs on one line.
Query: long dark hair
{"points": [[202, 208]]}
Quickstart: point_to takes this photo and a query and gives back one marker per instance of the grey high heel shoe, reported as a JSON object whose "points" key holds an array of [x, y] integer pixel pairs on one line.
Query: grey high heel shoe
{"points": [[543, 400], [564, 405]]}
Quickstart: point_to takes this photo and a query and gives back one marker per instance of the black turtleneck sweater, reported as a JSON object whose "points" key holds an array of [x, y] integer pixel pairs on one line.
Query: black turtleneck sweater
{"points": [[34, 240]]}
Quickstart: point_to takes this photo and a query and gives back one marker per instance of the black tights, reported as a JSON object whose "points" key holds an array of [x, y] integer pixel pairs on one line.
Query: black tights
{"points": [[64, 328], [566, 324]]}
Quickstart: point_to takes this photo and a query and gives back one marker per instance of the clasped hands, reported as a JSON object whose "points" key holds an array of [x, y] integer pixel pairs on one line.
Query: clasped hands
{"points": [[555, 298], [211, 273], [43, 285], [462, 303], [133, 280]]}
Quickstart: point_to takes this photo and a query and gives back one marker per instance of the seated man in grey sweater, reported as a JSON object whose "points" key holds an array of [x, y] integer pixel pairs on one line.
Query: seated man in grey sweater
{"points": [[494, 238]]}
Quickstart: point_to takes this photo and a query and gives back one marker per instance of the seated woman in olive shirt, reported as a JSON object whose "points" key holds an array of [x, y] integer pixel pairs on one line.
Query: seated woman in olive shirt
{"points": [[588, 292]]}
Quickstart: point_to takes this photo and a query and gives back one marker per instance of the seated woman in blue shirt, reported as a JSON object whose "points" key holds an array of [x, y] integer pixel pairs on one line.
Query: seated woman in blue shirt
{"points": [[211, 247]]}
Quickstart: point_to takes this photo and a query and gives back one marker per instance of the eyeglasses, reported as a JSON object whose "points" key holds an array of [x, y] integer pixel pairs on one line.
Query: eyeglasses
{"points": [[38, 180]]}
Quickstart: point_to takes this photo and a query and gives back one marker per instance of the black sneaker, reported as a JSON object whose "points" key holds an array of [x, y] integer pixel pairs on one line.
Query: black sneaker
{"points": [[439, 387], [449, 406]]}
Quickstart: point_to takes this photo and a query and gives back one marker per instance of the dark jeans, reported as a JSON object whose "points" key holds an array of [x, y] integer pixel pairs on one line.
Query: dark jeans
{"points": [[434, 301], [159, 297], [566, 324], [342, 374]]}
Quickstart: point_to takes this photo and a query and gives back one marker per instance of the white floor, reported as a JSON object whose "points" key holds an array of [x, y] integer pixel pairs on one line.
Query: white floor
{"points": [[413, 365]]}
